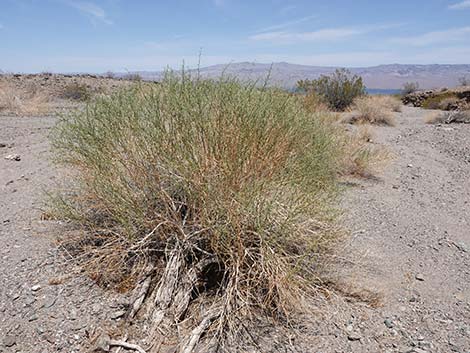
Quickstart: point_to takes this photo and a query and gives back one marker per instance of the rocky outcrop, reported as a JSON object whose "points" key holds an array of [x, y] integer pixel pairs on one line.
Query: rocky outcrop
{"points": [[443, 99]]}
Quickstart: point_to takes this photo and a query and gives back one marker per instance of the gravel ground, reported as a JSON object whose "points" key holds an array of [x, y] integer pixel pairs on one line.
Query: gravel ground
{"points": [[41, 309], [410, 244]]}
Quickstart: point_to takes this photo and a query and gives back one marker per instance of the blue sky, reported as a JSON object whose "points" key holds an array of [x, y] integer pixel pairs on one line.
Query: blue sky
{"points": [[119, 35]]}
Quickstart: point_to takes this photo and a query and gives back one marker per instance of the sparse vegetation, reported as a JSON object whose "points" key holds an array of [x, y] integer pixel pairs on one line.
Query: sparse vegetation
{"points": [[434, 117], [437, 117], [110, 75], [77, 91], [375, 110], [132, 77], [337, 90], [22, 101], [440, 101], [360, 158], [410, 87], [464, 81], [314, 103], [223, 187]]}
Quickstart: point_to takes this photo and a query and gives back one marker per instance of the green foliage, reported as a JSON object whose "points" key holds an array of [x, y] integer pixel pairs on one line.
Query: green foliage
{"points": [[76, 91], [233, 172], [337, 90], [440, 101]]}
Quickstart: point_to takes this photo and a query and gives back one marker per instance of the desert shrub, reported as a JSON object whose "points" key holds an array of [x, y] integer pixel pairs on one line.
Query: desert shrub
{"points": [[440, 101], [337, 90], [314, 103], [110, 75], [222, 189], [462, 117], [410, 87], [76, 91], [464, 81], [393, 103], [434, 117], [448, 103], [374, 110], [26, 101], [133, 77], [360, 158]]}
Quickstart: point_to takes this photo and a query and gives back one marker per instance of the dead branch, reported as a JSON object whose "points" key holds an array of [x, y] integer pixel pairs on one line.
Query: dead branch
{"points": [[126, 345], [199, 330]]}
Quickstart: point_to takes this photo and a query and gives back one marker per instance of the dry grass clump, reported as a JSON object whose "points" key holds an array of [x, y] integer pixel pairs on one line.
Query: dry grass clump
{"points": [[438, 117], [22, 101], [215, 194], [314, 103], [360, 158], [77, 91], [375, 110], [434, 117]]}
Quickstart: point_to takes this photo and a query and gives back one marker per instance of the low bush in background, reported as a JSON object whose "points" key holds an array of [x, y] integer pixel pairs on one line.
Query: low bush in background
{"points": [[441, 101], [76, 91], [375, 110], [410, 87], [337, 90], [29, 101]]}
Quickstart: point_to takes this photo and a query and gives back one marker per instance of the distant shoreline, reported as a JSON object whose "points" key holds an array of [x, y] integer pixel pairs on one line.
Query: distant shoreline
{"points": [[377, 91]]}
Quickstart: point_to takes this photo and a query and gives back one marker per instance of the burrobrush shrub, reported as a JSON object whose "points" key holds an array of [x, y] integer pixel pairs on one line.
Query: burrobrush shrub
{"points": [[218, 187]]}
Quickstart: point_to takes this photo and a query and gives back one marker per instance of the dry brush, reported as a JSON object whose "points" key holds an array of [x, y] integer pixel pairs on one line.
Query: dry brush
{"points": [[213, 199]]}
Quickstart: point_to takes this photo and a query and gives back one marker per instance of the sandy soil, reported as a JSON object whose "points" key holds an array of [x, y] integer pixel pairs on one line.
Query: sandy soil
{"points": [[42, 309], [410, 243]]}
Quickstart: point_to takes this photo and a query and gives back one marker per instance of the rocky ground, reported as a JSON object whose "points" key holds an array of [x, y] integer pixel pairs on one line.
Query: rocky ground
{"points": [[42, 308], [410, 246]]}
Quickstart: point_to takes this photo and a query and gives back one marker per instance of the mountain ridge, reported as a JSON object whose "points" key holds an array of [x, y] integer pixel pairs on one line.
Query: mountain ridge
{"points": [[386, 76]]}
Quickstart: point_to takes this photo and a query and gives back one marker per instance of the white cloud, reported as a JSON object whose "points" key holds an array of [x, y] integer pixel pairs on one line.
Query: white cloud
{"points": [[90, 9], [284, 37], [286, 24], [436, 37], [460, 5]]}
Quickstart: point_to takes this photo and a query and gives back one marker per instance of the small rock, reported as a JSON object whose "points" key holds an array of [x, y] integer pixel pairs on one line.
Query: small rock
{"points": [[96, 308], [354, 336], [33, 317], [425, 345], [102, 344], [118, 314], [419, 277], [3, 145], [13, 157], [9, 341], [388, 323], [73, 314], [49, 302], [462, 247], [36, 288], [49, 338]]}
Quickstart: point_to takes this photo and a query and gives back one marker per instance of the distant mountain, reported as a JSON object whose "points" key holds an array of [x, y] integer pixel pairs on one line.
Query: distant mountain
{"points": [[377, 77]]}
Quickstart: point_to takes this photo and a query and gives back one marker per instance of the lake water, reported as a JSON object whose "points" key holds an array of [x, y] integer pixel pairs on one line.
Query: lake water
{"points": [[374, 91]]}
